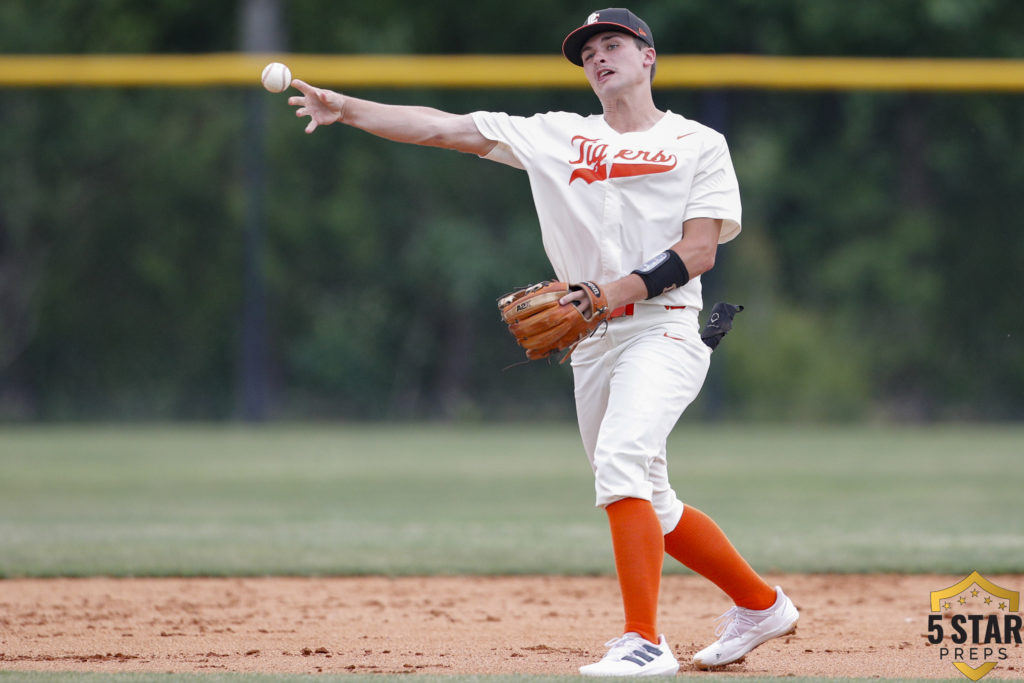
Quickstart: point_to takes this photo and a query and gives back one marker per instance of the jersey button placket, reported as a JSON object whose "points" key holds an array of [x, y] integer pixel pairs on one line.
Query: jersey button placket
{"points": [[611, 219]]}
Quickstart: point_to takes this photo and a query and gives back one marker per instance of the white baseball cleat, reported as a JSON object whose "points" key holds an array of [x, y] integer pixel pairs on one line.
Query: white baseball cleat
{"points": [[632, 655], [743, 629]]}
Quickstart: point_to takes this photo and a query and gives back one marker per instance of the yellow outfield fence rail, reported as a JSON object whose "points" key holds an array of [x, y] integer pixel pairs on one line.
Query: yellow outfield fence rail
{"points": [[508, 71]]}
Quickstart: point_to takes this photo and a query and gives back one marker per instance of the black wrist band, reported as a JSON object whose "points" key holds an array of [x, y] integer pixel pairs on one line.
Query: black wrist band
{"points": [[663, 272]]}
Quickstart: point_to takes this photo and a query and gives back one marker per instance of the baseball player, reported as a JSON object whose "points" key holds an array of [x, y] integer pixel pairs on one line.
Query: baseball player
{"points": [[638, 200]]}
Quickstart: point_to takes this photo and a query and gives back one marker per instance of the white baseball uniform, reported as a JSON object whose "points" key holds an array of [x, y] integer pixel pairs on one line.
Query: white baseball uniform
{"points": [[607, 202]]}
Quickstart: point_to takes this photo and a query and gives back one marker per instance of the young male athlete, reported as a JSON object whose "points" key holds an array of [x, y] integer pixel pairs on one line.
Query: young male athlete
{"points": [[638, 200]]}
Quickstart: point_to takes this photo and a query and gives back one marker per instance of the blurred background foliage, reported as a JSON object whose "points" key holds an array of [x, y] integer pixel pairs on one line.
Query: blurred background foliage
{"points": [[879, 263]]}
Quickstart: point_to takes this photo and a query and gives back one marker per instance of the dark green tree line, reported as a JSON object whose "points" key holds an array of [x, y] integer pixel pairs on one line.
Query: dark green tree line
{"points": [[879, 259]]}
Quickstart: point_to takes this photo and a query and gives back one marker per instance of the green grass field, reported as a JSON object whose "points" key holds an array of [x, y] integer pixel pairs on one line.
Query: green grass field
{"points": [[421, 499]]}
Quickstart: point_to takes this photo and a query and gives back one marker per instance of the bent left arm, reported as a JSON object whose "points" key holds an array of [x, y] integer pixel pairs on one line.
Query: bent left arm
{"points": [[697, 250]]}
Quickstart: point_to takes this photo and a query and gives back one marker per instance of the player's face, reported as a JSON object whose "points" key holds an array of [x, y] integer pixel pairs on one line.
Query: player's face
{"points": [[612, 61]]}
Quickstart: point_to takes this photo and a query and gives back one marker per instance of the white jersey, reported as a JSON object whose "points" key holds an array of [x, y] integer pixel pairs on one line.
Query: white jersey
{"points": [[609, 201]]}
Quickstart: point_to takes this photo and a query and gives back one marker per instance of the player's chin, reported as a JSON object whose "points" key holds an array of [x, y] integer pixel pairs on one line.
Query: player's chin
{"points": [[607, 85], [600, 88]]}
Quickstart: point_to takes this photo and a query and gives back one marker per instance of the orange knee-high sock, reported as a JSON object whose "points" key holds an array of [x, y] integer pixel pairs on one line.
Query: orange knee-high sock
{"points": [[702, 546], [639, 553]]}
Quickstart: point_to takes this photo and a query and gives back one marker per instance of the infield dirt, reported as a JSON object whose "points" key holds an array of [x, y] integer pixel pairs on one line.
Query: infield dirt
{"points": [[850, 625]]}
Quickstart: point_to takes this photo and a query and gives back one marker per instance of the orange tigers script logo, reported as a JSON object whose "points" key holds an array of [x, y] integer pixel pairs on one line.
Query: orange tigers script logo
{"points": [[593, 155]]}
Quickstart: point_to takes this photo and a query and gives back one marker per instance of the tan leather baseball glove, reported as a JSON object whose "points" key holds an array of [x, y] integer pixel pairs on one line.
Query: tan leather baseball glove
{"points": [[542, 326]]}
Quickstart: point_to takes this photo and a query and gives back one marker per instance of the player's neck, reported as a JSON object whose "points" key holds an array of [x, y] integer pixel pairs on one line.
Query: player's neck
{"points": [[631, 114]]}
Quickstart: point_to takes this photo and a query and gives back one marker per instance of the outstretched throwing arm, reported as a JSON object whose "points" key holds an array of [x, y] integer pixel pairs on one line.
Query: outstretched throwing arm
{"points": [[413, 125]]}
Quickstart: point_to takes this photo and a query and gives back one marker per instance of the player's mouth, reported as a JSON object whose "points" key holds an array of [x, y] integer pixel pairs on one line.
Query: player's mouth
{"points": [[603, 74]]}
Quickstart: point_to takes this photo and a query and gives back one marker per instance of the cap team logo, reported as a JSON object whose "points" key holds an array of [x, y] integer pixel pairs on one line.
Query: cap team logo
{"points": [[594, 18], [593, 163], [975, 623]]}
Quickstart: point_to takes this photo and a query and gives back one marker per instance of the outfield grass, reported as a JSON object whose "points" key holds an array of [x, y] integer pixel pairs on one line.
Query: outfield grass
{"points": [[420, 499]]}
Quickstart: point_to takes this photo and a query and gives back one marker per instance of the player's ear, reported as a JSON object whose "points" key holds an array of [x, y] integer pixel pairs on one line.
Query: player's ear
{"points": [[650, 56]]}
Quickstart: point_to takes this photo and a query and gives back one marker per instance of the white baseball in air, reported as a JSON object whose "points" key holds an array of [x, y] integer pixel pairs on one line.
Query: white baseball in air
{"points": [[276, 77]]}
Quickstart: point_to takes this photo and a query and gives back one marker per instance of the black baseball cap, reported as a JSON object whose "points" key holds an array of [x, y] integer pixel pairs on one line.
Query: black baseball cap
{"points": [[611, 19]]}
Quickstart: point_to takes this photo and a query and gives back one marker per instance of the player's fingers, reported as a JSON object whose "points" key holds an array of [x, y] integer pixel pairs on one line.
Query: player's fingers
{"points": [[302, 86], [311, 126], [297, 100], [572, 297]]}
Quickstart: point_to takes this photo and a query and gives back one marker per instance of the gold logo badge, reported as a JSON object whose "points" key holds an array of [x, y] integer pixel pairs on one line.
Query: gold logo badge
{"points": [[974, 621]]}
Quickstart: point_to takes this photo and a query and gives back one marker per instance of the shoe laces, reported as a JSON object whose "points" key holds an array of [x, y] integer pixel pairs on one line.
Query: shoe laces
{"points": [[624, 644], [734, 623]]}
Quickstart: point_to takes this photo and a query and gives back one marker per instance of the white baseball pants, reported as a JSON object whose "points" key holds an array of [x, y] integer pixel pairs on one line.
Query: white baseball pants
{"points": [[633, 381]]}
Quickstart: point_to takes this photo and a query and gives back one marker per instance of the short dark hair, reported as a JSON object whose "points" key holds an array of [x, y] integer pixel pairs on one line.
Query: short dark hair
{"points": [[640, 45]]}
